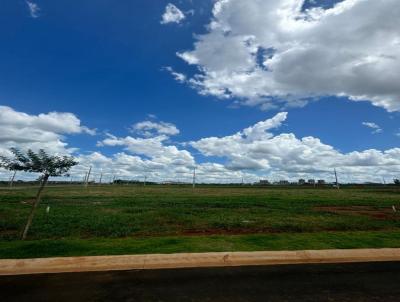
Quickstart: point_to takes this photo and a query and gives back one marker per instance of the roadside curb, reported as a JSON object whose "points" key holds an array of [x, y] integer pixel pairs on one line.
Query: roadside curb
{"points": [[192, 260]]}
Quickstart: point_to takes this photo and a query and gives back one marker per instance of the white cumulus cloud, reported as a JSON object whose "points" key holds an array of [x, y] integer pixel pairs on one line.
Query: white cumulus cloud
{"points": [[259, 151], [152, 128], [172, 14], [45, 130], [256, 148], [271, 53]]}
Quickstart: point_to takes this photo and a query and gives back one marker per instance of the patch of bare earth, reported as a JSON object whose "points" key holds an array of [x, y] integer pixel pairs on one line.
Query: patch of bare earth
{"points": [[212, 231], [236, 231], [372, 212]]}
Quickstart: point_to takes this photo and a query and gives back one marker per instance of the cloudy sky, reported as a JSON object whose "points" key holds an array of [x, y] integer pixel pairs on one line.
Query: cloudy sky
{"points": [[255, 89]]}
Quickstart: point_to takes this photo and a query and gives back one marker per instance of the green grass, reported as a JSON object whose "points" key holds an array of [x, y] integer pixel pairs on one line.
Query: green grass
{"points": [[128, 219], [196, 244]]}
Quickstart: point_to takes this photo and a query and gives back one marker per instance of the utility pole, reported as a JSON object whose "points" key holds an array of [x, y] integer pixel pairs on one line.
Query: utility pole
{"points": [[384, 181], [101, 177], [337, 183], [194, 177], [87, 177], [12, 179], [145, 179]]}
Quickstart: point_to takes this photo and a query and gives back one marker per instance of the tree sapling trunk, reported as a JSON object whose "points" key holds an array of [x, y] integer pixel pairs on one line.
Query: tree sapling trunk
{"points": [[34, 206]]}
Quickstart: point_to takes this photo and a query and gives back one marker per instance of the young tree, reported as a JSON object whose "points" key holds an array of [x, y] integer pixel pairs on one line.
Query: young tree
{"points": [[39, 162]]}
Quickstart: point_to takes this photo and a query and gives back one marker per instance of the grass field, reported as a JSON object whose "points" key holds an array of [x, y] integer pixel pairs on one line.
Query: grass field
{"points": [[104, 220]]}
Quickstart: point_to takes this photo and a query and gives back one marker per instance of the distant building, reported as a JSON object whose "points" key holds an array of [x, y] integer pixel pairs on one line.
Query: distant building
{"points": [[301, 181], [284, 182], [321, 182], [264, 182], [311, 181]]}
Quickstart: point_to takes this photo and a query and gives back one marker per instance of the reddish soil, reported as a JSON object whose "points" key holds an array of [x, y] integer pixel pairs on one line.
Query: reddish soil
{"points": [[376, 213], [224, 232], [213, 231]]}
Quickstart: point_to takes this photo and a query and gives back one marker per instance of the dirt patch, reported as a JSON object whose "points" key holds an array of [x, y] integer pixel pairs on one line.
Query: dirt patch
{"points": [[376, 213], [237, 231], [211, 232]]}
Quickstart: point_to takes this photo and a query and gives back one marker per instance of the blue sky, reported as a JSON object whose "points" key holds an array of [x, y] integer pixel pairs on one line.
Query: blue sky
{"points": [[105, 62]]}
